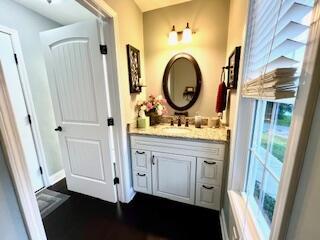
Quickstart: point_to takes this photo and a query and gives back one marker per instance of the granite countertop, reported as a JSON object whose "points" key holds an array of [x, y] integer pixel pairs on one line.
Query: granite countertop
{"points": [[205, 133]]}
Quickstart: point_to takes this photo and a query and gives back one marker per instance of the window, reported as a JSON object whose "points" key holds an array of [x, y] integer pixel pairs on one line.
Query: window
{"points": [[267, 151], [277, 37]]}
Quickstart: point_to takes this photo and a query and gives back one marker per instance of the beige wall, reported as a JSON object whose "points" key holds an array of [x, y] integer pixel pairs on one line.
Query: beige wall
{"points": [[236, 32], [130, 32], [209, 19]]}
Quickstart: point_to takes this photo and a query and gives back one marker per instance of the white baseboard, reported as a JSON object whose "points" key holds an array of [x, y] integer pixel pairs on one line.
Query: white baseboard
{"points": [[54, 178], [223, 226], [130, 195]]}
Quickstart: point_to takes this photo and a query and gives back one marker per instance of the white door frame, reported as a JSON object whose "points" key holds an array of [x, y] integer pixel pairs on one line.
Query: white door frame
{"points": [[12, 143], [122, 155], [25, 85], [9, 136]]}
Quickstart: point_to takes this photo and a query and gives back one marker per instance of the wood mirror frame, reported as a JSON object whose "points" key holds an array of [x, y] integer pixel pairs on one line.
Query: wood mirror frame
{"points": [[166, 79]]}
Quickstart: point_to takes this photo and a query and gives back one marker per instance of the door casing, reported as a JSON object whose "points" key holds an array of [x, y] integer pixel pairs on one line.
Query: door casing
{"points": [[25, 85]]}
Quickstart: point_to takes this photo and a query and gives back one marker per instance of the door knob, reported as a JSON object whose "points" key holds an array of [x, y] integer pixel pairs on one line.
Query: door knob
{"points": [[59, 128]]}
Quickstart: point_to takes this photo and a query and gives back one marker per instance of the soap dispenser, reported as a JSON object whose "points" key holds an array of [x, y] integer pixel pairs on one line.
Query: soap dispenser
{"points": [[143, 120], [197, 120]]}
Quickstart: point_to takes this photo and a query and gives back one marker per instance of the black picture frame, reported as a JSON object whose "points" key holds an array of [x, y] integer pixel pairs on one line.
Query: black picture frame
{"points": [[233, 68], [133, 56], [166, 79]]}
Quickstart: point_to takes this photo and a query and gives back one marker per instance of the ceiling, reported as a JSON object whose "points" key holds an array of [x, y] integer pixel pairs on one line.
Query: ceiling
{"points": [[148, 5], [62, 11]]}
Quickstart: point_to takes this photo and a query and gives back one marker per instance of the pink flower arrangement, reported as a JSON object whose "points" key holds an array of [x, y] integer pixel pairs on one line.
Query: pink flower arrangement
{"points": [[153, 104]]}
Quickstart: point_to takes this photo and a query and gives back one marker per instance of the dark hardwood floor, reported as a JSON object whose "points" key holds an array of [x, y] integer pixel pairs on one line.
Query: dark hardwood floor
{"points": [[145, 217]]}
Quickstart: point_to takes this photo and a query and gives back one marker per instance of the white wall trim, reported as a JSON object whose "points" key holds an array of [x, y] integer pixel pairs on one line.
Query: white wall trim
{"points": [[54, 178], [131, 194], [25, 85], [223, 225], [17, 166]]}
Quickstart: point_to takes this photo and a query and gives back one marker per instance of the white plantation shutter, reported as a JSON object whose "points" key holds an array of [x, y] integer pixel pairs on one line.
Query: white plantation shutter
{"points": [[278, 35]]}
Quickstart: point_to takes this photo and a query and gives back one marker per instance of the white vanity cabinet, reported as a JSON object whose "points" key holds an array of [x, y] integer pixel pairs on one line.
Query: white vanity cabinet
{"points": [[188, 171]]}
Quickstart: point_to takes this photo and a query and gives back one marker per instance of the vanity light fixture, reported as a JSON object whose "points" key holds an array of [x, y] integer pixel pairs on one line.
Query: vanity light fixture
{"points": [[186, 35], [173, 36]]}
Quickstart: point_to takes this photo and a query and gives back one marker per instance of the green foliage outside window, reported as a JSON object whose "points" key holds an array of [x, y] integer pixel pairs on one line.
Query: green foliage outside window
{"points": [[268, 203]]}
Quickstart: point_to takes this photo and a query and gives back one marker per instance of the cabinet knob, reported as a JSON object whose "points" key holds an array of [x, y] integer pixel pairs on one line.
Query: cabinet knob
{"points": [[141, 175], [152, 160]]}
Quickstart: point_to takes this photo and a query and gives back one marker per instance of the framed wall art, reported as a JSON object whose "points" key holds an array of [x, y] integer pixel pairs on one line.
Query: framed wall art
{"points": [[233, 68], [133, 56]]}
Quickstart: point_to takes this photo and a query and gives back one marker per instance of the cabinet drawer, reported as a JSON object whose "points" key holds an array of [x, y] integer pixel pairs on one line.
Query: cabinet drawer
{"points": [[142, 182], [204, 149], [209, 171], [208, 196], [141, 160]]}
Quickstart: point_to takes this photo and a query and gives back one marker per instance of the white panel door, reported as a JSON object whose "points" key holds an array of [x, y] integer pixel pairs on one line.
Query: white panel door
{"points": [[173, 176], [79, 95], [13, 84]]}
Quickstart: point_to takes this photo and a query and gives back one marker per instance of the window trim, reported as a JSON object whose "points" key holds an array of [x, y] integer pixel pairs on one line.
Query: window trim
{"points": [[298, 138]]}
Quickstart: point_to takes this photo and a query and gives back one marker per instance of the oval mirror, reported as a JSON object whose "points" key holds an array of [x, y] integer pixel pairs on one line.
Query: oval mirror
{"points": [[182, 81]]}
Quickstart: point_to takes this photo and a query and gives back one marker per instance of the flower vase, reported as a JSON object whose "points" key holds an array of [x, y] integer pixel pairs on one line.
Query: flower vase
{"points": [[154, 118]]}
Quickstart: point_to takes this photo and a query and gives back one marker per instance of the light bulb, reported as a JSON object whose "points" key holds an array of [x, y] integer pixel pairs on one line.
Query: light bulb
{"points": [[173, 37], [187, 34]]}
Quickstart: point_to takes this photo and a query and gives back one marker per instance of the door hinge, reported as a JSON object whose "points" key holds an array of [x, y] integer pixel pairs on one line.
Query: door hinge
{"points": [[116, 180], [29, 119], [103, 49], [110, 121], [41, 171], [15, 58]]}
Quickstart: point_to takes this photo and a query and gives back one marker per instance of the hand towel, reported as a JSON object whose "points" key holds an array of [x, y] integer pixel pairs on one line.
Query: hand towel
{"points": [[221, 97]]}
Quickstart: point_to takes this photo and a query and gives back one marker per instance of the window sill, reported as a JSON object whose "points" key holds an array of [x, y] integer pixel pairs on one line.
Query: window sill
{"points": [[244, 223]]}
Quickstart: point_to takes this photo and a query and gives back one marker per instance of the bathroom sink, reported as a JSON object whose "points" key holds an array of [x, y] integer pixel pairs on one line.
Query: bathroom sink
{"points": [[176, 130]]}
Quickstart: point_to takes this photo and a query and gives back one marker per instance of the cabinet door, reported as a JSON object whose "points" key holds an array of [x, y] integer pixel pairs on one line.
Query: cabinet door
{"points": [[209, 171], [208, 196], [141, 160], [142, 182], [173, 176]]}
